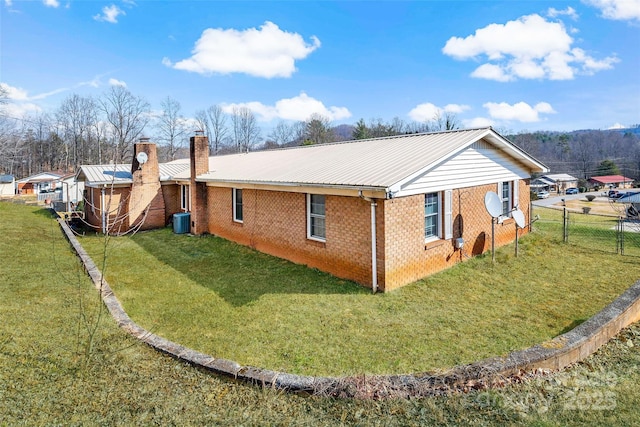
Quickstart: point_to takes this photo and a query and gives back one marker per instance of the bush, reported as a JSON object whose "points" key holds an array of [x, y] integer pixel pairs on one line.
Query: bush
{"points": [[590, 197]]}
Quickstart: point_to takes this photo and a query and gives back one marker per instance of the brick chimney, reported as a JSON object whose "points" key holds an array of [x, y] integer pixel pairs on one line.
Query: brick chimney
{"points": [[146, 204], [199, 157]]}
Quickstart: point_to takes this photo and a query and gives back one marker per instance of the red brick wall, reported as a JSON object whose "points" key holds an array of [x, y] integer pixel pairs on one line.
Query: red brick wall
{"points": [[171, 195], [276, 223], [115, 202], [408, 258]]}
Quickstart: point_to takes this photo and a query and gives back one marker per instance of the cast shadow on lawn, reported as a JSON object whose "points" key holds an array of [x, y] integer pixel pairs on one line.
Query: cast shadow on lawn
{"points": [[238, 274]]}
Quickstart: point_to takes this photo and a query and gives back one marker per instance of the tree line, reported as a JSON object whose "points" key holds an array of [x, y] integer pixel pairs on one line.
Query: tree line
{"points": [[585, 153], [86, 130]]}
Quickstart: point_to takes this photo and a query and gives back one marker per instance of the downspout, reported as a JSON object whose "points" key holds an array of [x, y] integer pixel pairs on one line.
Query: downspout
{"points": [[104, 220], [374, 254]]}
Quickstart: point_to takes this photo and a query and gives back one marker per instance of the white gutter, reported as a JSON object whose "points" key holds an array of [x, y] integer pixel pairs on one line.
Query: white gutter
{"points": [[374, 254]]}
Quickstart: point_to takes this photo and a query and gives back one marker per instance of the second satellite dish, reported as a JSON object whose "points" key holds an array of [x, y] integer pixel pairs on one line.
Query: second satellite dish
{"points": [[493, 204], [518, 215]]}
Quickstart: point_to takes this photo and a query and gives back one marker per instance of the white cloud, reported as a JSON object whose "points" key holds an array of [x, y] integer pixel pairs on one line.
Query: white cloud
{"points": [[569, 11], [478, 122], [428, 111], [617, 126], [116, 82], [110, 14], [19, 110], [14, 93], [17, 102], [621, 10], [8, 3], [265, 52], [19, 94], [521, 111], [528, 48], [51, 3], [298, 108]]}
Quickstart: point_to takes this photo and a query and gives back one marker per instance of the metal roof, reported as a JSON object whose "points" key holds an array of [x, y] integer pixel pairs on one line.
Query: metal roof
{"points": [[611, 179], [121, 174], [369, 163], [560, 177], [5, 179]]}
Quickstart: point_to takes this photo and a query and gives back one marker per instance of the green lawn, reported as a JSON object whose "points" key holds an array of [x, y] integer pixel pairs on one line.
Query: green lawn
{"points": [[235, 303], [49, 376]]}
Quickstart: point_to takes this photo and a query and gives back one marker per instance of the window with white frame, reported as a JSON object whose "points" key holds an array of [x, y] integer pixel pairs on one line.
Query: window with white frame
{"points": [[508, 192], [431, 216], [237, 205], [184, 198], [505, 197], [316, 217]]}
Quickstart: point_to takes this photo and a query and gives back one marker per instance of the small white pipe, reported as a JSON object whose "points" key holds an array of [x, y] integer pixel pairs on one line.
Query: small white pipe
{"points": [[374, 254]]}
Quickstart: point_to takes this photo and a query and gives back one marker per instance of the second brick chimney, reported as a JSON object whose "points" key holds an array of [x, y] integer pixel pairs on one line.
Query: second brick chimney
{"points": [[199, 157]]}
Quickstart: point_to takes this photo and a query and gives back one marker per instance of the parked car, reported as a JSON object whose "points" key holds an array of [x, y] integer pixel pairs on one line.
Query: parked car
{"points": [[615, 194], [543, 194], [572, 190]]}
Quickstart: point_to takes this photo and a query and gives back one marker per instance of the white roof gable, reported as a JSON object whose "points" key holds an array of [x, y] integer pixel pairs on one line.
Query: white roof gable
{"points": [[381, 163]]}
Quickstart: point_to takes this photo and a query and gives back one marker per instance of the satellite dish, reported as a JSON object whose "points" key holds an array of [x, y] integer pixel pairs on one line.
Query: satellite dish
{"points": [[519, 217], [142, 157], [493, 204]]}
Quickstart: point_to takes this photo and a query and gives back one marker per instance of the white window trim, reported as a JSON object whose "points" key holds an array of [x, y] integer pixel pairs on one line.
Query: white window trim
{"points": [[234, 193], [438, 235], [309, 215], [513, 198], [185, 197]]}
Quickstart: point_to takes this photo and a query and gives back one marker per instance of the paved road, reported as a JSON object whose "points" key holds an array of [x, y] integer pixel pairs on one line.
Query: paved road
{"points": [[553, 198]]}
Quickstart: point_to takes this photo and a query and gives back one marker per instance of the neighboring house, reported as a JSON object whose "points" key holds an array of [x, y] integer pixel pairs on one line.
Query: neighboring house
{"points": [[611, 181], [382, 212], [556, 183], [38, 183], [7, 185]]}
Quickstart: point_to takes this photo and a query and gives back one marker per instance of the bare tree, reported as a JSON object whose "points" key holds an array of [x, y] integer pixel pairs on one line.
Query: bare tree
{"points": [[172, 126], [282, 134], [246, 133], [445, 121], [75, 116], [127, 116], [219, 130]]}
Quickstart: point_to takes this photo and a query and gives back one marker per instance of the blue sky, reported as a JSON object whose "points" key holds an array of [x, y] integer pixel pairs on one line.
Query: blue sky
{"points": [[515, 65]]}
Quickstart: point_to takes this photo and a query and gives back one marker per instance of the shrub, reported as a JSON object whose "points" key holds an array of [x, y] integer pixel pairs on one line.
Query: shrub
{"points": [[590, 197]]}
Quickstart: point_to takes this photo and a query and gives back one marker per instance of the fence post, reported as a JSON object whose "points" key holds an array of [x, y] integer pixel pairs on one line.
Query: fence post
{"points": [[620, 236], [565, 225]]}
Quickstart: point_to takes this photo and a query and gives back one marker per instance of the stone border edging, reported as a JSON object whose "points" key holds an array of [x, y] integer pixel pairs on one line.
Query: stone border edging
{"points": [[555, 354]]}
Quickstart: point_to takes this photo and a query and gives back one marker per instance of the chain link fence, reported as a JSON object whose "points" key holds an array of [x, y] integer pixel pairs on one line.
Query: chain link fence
{"points": [[611, 233]]}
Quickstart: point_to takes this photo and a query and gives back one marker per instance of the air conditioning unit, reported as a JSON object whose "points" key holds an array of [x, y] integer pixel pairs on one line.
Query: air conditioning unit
{"points": [[181, 222]]}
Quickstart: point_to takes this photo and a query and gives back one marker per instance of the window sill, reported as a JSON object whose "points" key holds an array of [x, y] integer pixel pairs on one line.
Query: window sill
{"points": [[317, 242], [434, 244]]}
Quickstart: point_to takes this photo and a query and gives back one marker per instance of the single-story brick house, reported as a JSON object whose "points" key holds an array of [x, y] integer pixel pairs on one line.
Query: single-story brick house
{"points": [[40, 182], [611, 181], [382, 212]]}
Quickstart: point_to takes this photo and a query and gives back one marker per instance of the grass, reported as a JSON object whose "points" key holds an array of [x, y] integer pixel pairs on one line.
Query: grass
{"points": [[232, 302], [46, 378]]}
